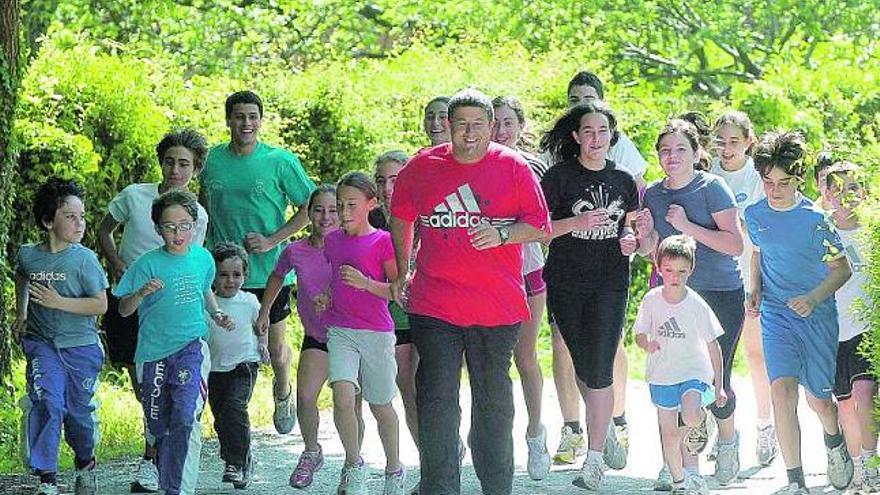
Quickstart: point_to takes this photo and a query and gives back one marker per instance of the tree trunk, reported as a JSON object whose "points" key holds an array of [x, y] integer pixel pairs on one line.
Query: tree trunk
{"points": [[9, 79]]}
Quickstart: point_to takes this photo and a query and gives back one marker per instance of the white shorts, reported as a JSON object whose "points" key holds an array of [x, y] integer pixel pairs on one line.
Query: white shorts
{"points": [[365, 353]]}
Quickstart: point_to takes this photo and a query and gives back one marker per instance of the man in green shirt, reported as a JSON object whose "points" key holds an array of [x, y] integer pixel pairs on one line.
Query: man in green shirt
{"points": [[247, 187]]}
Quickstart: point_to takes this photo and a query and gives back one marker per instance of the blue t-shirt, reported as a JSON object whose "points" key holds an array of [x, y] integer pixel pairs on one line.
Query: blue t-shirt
{"points": [[73, 272], [795, 246], [173, 316], [705, 195]]}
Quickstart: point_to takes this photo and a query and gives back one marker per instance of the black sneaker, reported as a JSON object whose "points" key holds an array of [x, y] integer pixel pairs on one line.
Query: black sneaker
{"points": [[232, 474], [247, 474]]}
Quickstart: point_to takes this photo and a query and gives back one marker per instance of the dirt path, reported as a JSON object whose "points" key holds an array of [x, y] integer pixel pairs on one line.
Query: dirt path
{"points": [[277, 455]]}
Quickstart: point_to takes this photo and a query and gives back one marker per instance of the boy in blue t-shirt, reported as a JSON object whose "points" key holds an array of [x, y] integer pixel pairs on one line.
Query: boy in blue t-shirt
{"points": [[797, 266], [59, 289], [170, 288]]}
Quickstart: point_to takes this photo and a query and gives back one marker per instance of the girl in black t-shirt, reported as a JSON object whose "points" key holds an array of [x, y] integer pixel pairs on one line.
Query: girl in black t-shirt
{"points": [[592, 204]]}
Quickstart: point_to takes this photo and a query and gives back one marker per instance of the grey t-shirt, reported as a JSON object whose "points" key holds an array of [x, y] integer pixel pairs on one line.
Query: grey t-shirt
{"points": [[706, 194], [73, 272]]}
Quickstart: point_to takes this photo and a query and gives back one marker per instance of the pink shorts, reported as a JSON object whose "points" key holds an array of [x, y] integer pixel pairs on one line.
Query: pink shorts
{"points": [[535, 282]]}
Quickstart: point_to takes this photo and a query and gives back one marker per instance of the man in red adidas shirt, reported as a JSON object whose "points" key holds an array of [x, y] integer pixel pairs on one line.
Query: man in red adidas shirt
{"points": [[476, 202]]}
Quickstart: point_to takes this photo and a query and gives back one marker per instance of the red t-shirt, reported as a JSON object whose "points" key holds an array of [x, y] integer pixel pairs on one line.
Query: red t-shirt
{"points": [[453, 281]]}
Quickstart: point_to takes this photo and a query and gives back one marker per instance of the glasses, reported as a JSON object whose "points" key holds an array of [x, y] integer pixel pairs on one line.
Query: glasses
{"points": [[176, 227]]}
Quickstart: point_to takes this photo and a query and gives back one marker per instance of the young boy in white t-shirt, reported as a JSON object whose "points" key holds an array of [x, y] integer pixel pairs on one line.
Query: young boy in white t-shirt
{"points": [[679, 332]]}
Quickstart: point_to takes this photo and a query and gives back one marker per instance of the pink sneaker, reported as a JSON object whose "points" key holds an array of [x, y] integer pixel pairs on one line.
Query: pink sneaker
{"points": [[309, 463]]}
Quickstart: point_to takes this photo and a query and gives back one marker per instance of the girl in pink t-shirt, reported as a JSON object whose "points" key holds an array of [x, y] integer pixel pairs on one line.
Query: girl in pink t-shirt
{"points": [[360, 331], [306, 258]]}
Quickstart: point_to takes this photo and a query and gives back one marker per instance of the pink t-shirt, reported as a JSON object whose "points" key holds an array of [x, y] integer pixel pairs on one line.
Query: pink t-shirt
{"points": [[354, 308], [453, 281], [312, 277]]}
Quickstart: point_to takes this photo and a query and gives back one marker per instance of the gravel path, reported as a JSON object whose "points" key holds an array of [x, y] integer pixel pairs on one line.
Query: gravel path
{"points": [[277, 456]]}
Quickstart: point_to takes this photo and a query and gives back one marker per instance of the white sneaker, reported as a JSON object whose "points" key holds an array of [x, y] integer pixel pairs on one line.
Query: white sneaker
{"points": [[793, 489], [146, 479], [614, 453], [696, 484], [85, 482], [571, 446], [768, 447], [539, 458], [284, 416], [663, 483], [47, 489], [395, 483], [727, 462], [353, 479], [592, 472], [840, 466]]}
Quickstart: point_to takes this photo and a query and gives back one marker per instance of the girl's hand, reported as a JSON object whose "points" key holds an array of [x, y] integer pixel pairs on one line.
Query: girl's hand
{"points": [[223, 320], [321, 302], [677, 217], [44, 295], [261, 326], [720, 397], [628, 244], [484, 236], [753, 304], [644, 223], [152, 285], [353, 277], [400, 290], [590, 220]]}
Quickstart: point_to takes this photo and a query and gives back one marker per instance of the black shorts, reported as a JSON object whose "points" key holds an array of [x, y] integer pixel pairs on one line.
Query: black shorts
{"points": [[310, 342], [120, 333], [280, 309], [591, 323], [851, 366], [403, 336]]}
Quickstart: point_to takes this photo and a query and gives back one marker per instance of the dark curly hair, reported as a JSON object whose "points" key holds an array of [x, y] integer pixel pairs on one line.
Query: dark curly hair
{"points": [[559, 141], [189, 139], [51, 195], [226, 250], [785, 150]]}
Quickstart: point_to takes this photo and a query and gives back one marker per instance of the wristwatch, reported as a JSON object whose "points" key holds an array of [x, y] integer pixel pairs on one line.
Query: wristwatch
{"points": [[504, 234]]}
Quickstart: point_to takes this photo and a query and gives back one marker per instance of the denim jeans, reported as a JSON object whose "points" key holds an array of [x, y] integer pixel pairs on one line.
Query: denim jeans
{"points": [[488, 351]]}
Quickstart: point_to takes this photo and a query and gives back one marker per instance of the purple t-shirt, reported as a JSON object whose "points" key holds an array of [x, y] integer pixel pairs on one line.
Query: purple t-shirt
{"points": [[312, 277], [355, 308]]}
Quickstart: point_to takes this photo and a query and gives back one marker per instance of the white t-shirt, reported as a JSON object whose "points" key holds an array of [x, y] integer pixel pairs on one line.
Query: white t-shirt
{"points": [[854, 288], [131, 208], [683, 331], [231, 348], [748, 189]]}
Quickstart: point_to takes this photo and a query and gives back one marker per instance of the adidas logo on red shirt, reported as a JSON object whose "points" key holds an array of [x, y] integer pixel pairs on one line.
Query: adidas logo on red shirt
{"points": [[460, 210]]}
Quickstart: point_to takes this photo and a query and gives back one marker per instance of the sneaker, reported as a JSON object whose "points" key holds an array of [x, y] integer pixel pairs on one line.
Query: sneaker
{"points": [[793, 489], [284, 416], [47, 489], [696, 484], [232, 474], [712, 428], [592, 472], [614, 452], [85, 482], [309, 464], [571, 446], [727, 462], [395, 483], [538, 465], [857, 484], [840, 466], [663, 483], [146, 479], [353, 479], [696, 438], [679, 488], [768, 447], [247, 474]]}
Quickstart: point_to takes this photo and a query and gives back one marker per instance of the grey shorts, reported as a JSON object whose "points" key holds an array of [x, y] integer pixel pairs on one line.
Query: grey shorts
{"points": [[366, 354]]}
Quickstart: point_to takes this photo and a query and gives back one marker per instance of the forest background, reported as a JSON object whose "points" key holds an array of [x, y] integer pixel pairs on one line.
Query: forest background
{"points": [[88, 87]]}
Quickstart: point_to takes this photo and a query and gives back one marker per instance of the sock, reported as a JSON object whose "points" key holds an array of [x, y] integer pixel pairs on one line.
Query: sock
{"points": [[83, 464], [396, 472], [796, 475], [48, 477], [575, 426], [619, 420], [833, 441]]}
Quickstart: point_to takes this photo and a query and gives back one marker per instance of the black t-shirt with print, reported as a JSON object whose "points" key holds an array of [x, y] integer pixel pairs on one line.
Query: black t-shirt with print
{"points": [[589, 259]]}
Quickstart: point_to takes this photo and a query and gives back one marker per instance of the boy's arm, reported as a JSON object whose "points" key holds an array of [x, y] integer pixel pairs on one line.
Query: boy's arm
{"points": [[220, 318], [47, 296], [258, 243], [108, 245], [753, 301], [21, 303], [128, 304], [839, 272], [718, 370], [402, 232]]}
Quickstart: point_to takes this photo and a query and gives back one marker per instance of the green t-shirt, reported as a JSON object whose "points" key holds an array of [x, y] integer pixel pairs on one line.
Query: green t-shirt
{"points": [[251, 193]]}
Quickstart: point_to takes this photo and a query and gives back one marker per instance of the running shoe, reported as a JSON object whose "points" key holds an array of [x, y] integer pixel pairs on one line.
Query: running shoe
{"points": [[727, 463], [663, 483], [768, 447], [395, 483], [85, 482], [47, 489], [840, 466], [592, 472], [146, 479], [539, 458], [571, 446], [353, 479], [284, 416], [309, 464], [614, 452]]}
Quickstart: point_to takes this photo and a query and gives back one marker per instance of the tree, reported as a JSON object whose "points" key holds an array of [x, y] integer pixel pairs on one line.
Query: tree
{"points": [[9, 78]]}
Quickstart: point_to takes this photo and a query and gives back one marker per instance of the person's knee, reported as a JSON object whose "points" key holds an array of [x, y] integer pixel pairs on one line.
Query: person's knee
{"points": [[847, 407], [821, 406], [525, 358], [306, 398], [344, 396], [691, 416]]}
